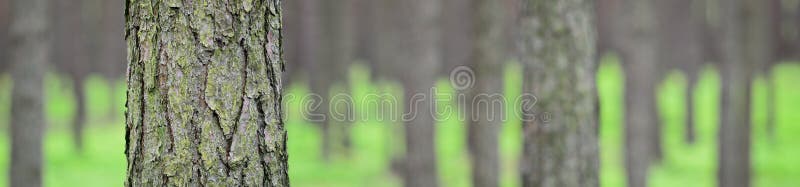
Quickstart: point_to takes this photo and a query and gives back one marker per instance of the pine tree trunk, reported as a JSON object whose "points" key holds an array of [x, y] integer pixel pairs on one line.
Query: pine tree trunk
{"points": [[5, 63], [204, 94], [680, 47], [638, 46], [557, 48], [30, 51], [69, 55], [417, 64], [744, 50], [483, 115]]}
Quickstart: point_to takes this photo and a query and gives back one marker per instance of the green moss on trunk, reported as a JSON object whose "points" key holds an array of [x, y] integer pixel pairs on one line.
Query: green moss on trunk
{"points": [[204, 93]]}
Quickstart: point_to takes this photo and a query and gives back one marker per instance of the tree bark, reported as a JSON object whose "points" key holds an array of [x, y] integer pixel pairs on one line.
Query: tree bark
{"points": [[484, 117], [744, 50], [69, 55], [5, 63], [417, 64], [557, 49], [637, 39], [204, 94], [680, 46], [458, 33], [30, 51]]}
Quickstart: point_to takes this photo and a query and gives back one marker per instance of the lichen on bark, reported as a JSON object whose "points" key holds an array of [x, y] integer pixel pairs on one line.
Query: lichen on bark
{"points": [[557, 48], [204, 93]]}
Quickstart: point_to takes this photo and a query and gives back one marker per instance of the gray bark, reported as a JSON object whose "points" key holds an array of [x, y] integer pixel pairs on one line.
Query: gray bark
{"points": [[4, 23], [484, 120], [111, 60], [557, 49], [30, 51], [417, 61], [637, 39], [680, 47], [69, 55], [204, 94], [458, 17], [744, 50]]}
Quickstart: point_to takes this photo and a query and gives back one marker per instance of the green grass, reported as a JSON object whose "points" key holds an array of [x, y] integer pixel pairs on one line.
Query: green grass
{"points": [[776, 162]]}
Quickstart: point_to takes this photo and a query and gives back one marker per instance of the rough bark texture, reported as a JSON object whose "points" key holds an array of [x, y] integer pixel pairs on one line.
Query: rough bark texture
{"points": [[485, 118], [680, 47], [204, 94], [557, 49], [638, 44], [743, 51], [30, 51]]}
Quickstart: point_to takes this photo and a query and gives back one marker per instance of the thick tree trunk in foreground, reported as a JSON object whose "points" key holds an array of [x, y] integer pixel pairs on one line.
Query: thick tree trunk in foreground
{"points": [[30, 51], [484, 116], [558, 52], [743, 51], [204, 94]]}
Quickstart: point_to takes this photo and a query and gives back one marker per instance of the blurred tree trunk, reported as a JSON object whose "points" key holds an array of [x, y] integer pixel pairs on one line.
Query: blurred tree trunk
{"points": [[112, 57], [301, 32], [744, 50], [458, 32], [560, 130], [338, 20], [775, 49], [418, 60], [680, 46], [204, 94], [484, 121], [112, 50], [4, 23], [336, 52], [69, 55], [638, 45], [30, 51]]}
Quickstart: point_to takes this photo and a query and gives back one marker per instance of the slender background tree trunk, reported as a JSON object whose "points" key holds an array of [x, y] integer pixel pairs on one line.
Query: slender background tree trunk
{"points": [[484, 116], [30, 51], [204, 94]]}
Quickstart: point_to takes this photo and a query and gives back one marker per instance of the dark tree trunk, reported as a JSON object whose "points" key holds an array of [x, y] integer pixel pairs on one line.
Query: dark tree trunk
{"points": [[637, 39], [79, 120], [112, 46], [69, 55], [418, 62], [557, 49], [4, 20], [745, 48], [30, 51], [204, 94], [457, 33], [680, 46], [339, 50], [300, 20], [775, 49], [483, 115]]}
